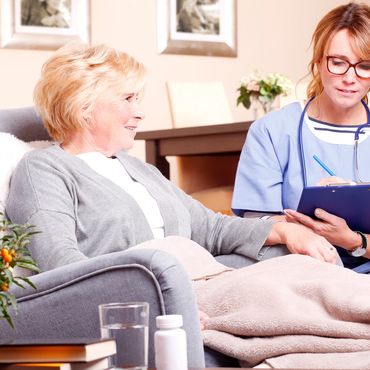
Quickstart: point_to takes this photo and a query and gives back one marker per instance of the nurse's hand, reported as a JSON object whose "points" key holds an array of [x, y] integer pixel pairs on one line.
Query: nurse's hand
{"points": [[301, 240], [334, 180], [331, 227]]}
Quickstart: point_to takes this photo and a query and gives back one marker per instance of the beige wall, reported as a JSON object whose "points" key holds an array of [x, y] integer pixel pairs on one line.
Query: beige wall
{"points": [[273, 36]]}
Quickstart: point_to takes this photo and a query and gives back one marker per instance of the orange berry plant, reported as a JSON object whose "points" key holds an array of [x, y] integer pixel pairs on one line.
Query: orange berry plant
{"points": [[14, 240]]}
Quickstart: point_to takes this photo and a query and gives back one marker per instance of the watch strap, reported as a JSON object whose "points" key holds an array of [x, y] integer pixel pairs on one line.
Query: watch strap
{"points": [[361, 249], [364, 239]]}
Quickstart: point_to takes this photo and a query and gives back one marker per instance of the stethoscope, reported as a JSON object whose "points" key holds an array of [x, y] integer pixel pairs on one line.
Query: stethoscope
{"points": [[355, 150]]}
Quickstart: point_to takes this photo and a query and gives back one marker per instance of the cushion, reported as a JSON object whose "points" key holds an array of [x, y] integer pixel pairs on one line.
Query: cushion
{"points": [[11, 151]]}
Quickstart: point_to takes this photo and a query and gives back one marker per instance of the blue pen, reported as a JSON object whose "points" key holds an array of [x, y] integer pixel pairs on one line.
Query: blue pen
{"points": [[324, 166]]}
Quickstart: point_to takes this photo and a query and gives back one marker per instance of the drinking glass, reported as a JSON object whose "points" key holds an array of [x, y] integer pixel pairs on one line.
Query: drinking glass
{"points": [[127, 323]]}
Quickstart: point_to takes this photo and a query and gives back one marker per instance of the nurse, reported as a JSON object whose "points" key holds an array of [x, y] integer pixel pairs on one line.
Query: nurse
{"points": [[277, 158]]}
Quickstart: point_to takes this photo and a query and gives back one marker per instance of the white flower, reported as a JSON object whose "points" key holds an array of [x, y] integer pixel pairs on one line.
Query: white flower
{"points": [[253, 86], [264, 90], [244, 81]]}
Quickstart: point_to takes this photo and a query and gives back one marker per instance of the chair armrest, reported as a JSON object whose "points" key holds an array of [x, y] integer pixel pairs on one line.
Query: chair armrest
{"points": [[65, 304]]}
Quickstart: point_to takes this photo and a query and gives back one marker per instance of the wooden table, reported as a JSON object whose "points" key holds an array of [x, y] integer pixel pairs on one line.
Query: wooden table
{"points": [[226, 139]]}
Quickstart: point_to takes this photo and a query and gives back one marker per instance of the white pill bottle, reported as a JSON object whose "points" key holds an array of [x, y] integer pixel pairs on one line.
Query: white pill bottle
{"points": [[170, 343]]}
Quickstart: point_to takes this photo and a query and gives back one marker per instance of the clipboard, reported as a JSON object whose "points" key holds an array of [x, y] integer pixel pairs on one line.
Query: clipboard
{"points": [[351, 202]]}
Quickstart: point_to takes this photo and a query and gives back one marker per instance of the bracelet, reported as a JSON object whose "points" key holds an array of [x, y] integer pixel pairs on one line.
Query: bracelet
{"points": [[364, 239], [265, 217], [361, 249]]}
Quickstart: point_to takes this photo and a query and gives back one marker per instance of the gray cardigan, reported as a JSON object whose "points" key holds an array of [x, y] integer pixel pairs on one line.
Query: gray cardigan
{"points": [[82, 214]]}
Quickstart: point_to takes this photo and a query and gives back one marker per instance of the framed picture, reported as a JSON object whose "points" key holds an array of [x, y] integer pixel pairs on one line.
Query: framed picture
{"points": [[197, 27], [43, 24]]}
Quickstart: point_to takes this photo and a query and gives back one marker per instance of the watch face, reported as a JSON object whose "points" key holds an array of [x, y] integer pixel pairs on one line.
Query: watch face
{"points": [[358, 252]]}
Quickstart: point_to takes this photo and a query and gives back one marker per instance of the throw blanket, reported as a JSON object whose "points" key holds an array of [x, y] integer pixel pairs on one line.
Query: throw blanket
{"points": [[287, 312], [294, 311]]}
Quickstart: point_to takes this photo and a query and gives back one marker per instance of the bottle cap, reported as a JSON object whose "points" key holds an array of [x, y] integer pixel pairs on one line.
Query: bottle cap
{"points": [[169, 321]]}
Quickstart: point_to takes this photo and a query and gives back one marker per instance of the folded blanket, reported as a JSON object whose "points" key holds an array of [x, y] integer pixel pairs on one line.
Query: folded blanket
{"points": [[289, 305], [286, 312]]}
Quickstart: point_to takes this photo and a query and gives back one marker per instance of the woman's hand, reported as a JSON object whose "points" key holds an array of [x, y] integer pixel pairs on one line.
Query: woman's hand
{"points": [[301, 240], [331, 227]]}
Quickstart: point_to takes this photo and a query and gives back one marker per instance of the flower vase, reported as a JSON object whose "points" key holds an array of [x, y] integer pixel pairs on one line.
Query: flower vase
{"points": [[267, 106], [261, 108]]}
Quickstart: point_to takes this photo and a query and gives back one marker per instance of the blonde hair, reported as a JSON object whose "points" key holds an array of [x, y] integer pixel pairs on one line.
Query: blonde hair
{"points": [[75, 77], [353, 17]]}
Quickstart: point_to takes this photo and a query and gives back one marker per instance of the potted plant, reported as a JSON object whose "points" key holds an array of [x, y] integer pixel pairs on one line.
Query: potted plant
{"points": [[14, 240]]}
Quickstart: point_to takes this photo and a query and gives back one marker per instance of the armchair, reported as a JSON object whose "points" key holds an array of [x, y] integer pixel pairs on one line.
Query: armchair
{"points": [[65, 302]]}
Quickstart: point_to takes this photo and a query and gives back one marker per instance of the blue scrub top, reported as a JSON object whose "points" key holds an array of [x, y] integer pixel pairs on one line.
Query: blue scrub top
{"points": [[269, 174]]}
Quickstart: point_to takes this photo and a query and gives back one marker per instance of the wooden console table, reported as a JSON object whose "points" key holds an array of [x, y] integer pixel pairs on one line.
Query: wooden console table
{"points": [[225, 139]]}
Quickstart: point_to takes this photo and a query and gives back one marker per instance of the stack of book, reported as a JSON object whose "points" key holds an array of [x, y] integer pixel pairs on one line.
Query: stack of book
{"points": [[76, 354]]}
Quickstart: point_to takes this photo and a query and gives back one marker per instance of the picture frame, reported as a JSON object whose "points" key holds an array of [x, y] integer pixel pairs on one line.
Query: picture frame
{"points": [[26, 25], [197, 27]]}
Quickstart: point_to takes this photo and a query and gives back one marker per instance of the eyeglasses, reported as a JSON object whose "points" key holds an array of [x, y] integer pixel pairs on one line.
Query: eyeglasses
{"points": [[339, 66]]}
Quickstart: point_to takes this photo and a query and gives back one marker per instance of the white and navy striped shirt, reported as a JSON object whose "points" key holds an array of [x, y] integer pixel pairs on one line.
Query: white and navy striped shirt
{"points": [[336, 134]]}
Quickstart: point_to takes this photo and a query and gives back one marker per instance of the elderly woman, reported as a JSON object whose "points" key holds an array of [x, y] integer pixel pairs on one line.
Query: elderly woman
{"points": [[89, 197]]}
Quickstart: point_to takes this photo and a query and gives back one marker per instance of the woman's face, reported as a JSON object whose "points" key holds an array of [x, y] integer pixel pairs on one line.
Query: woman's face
{"points": [[348, 89], [112, 125]]}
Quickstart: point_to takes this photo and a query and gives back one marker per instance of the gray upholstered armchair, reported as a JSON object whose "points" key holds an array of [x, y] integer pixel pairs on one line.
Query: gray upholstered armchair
{"points": [[66, 300]]}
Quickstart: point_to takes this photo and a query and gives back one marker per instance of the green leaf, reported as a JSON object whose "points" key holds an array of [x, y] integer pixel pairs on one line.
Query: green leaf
{"points": [[18, 283], [29, 266], [5, 314], [8, 274], [240, 100], [25, 259], [26, 280], [247, 102], [4, 298], [13, 301]]}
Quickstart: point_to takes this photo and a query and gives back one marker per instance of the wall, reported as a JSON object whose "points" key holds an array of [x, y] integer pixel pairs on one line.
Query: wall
{"points": [[273, 36]]}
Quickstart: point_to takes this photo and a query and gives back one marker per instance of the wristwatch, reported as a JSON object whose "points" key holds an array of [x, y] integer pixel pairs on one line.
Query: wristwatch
{"points": [[360, 250]]}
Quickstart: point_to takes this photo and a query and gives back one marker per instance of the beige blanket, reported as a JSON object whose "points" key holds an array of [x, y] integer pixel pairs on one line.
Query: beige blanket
{"points": [[294, 311], [291, 311]]}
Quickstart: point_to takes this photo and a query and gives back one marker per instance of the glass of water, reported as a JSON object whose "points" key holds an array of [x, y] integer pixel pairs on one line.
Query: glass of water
{"points": [[127, 323]]}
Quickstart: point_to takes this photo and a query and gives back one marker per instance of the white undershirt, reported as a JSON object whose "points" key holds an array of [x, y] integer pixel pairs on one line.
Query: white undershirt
{"points": [[113, 170], [335, 134]]}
